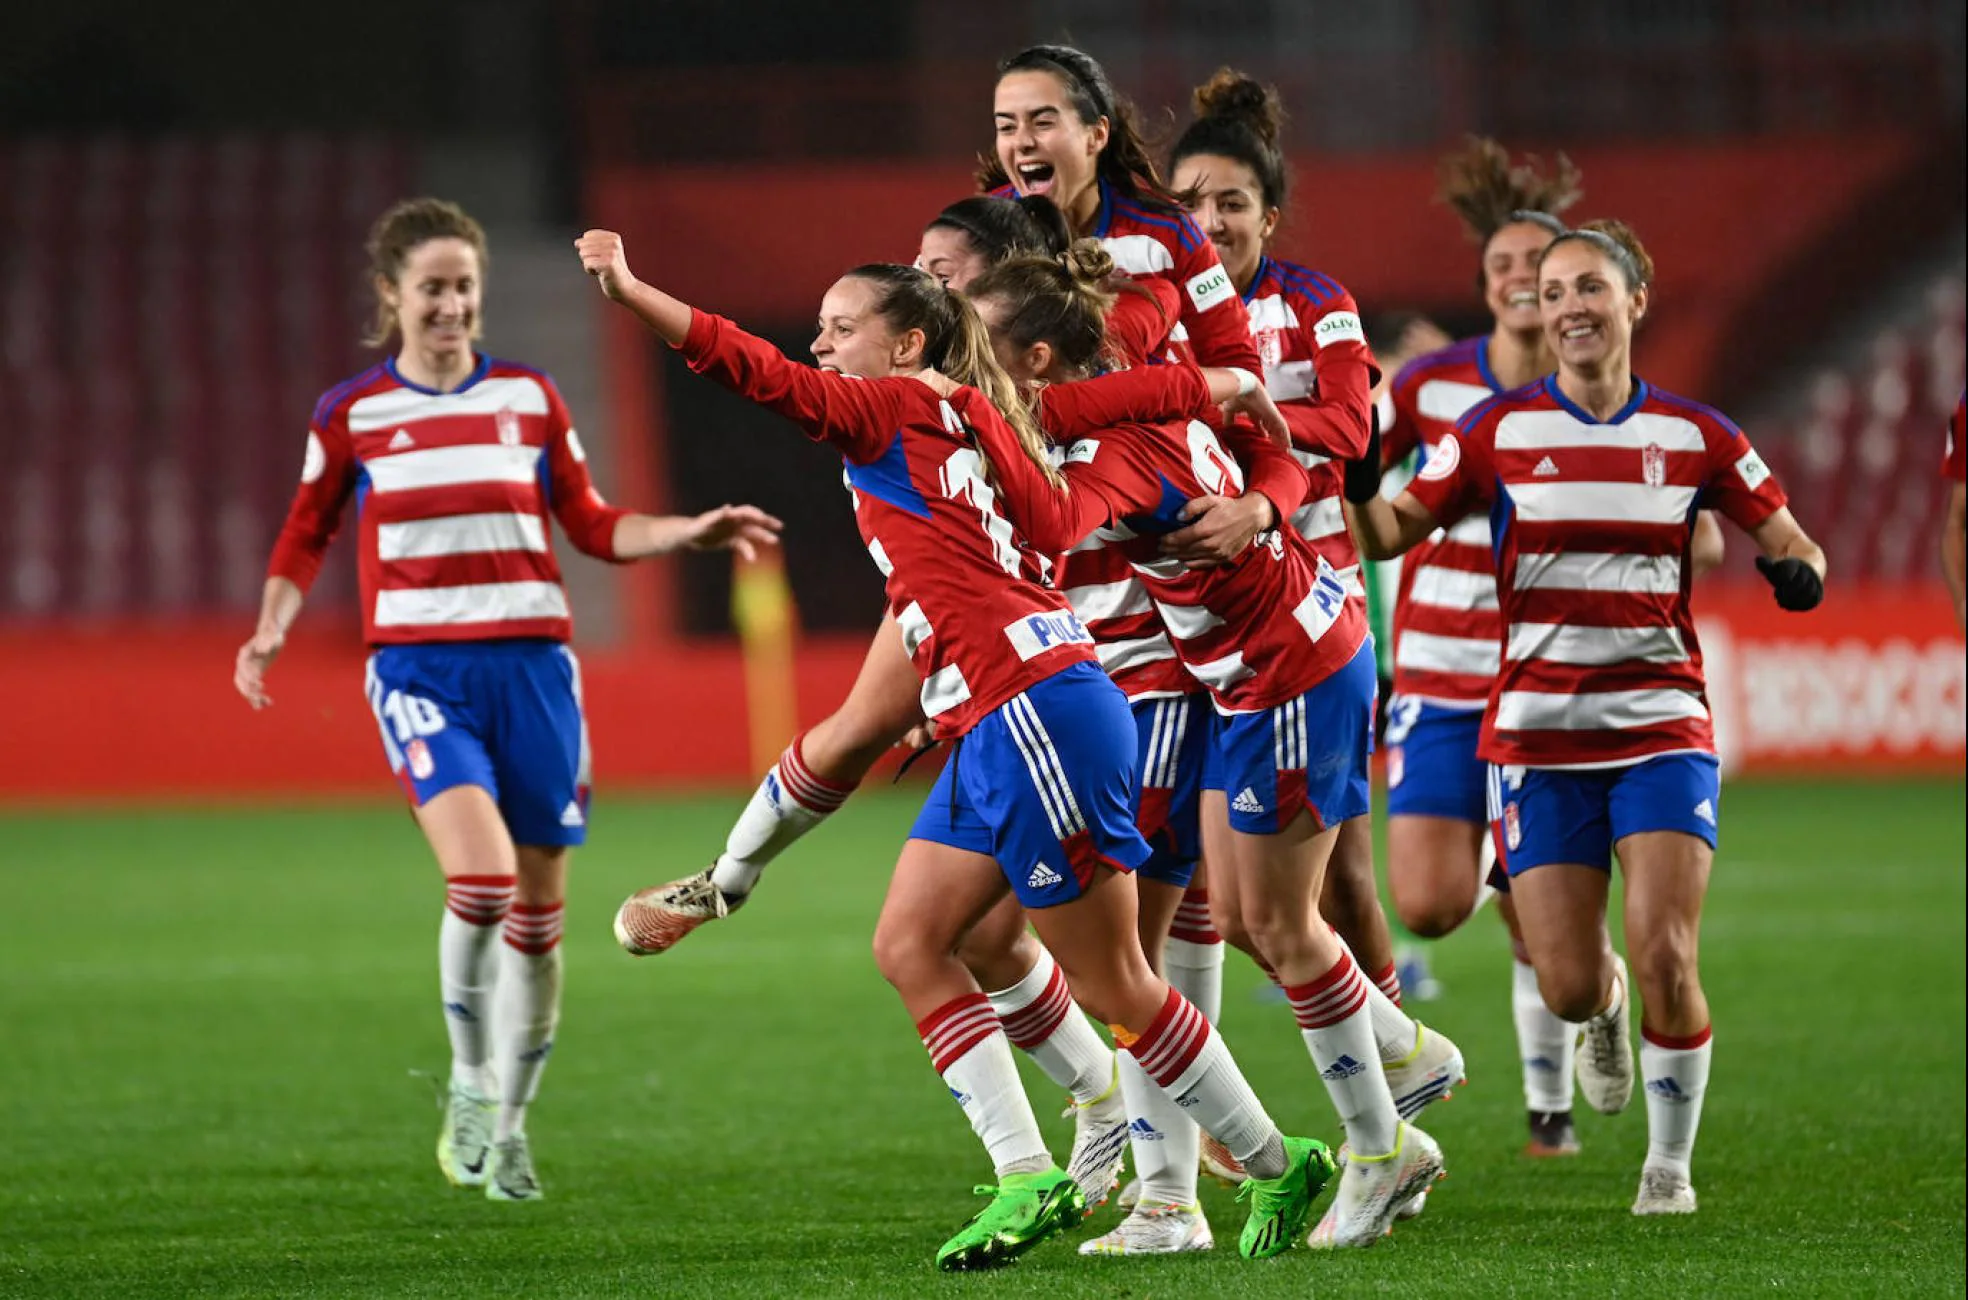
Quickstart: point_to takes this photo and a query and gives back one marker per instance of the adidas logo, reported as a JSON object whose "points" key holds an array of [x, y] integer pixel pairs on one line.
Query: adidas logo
{"points": [[1042, 877], [963, 1098], [1666, 1090], [1142, 1131], [1546, 468], [459, 1011], [1540, 1063], [571, 814], [1247, 801], [1706, 811], [772, 791], [402, 441], [1346, 1067], [537, 1054]]}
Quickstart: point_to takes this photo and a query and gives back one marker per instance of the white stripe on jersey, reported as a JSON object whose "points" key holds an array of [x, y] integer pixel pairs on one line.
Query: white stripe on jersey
{"points": [[1290, 380], [1595, 711], [420, 539], [1650, 575], [944, 690], [1221, 674], [520, 394], [1116, 657], [1453, 588], [1322, 518], [1271, 312], [1103, 600], [1099, 537], [915, 627], [446, 466], [1186, 622], [1138, 254], [1547, 430], [1309, 459], [1473, 530], [1563, 501], [1567, 643], [1446, 400], [478, 602], [880, 557], [1427, 652], [1042, 761]]}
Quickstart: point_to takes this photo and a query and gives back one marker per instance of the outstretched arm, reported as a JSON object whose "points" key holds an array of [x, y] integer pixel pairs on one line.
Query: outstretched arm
{"points": [[728, 528]]}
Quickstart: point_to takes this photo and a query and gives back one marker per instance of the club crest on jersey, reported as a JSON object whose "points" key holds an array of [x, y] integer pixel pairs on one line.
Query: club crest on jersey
{"points": [[1653, 464], [419, 756], [1270, 348], [1443, 458], [508, 421]]}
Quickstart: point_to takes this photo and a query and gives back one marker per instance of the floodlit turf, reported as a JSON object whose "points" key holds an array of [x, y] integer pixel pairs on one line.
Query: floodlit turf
{"points": [[215, 1026]]}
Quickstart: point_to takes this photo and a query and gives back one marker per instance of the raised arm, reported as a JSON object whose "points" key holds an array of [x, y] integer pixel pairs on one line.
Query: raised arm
{"points": [[1154, 395]]}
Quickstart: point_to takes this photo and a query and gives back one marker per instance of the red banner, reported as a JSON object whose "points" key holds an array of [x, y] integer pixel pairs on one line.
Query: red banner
{"points": [[1875, 678]]}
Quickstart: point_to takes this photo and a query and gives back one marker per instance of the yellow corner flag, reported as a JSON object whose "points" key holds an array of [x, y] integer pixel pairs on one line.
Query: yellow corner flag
{"points": [[768, 626]]}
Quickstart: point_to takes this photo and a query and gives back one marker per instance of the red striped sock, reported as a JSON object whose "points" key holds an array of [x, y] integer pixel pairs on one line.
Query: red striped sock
{"points": [[1192, 918], [806, 789], [1172, 1042], [1668, 1041], [1332, 997], [1029, 1026], [955, 1027], [534, 929], [478, 900], [1188, 1060], [1388, 980]]}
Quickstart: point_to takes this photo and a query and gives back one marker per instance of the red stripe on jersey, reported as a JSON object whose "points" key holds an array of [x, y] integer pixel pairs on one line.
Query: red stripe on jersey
{"points": [[428, 432]]}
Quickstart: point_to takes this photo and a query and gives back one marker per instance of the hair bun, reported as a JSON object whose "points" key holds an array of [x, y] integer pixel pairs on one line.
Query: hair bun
{"points": [[1622, 234], [1231, 94], [1088, 262]]}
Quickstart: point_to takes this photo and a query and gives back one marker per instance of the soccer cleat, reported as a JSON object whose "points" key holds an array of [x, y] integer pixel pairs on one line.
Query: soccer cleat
{"points": [[1373, 1189], [512, 1177], [1426, 1074], [1025, 1209], [1604, 1061], [1412, 1207], [1155, 1230], [1215, 1161], [656, 920], [1662, 1191], [1280, 1206], [464, 1144], [1100, 1138], [1552, 1135], [1130, 1195]]}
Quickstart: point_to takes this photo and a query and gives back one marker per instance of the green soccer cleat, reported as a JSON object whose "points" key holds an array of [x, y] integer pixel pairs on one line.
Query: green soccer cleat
{"points": [[1025, 1209], [1281, 1206]]}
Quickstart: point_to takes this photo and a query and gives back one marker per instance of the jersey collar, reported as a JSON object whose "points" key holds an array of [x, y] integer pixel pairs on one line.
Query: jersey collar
{"points": [[1583, 416], [1258, 281], [484, 363]]}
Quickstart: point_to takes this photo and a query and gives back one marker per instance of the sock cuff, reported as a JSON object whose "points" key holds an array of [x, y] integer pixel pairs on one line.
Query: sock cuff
{"points": [[1172, 1042], [809, 791], [1030, 1022], [1192, 922], [1331, 998], [954, 1028], [1668, 1042], [1188, 954], [1388, 981], [479, 900], [534, 928]]}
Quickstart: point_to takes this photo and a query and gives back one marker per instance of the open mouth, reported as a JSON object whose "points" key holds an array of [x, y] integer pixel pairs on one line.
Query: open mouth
{"points": [[1522, 298], [1576, 333], [1035, 177]]}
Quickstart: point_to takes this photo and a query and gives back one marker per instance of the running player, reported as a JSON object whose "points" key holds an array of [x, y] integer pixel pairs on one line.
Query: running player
{"points": [[455, 461], [1954, 530], [1597, 730], [1282, 652], [1036, 798]]}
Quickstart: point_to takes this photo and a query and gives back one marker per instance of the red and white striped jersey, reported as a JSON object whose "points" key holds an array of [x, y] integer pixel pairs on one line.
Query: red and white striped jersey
{"points": [[1164, 243], [1447, 631], [1954, 464], [452, 492], [1319, 370], [971, 597], [1256, 632], [1600, 663]]}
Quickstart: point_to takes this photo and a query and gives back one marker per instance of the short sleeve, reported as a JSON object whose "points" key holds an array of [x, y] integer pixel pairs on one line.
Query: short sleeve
{"points": [[1739, 484], [1459, 476]]}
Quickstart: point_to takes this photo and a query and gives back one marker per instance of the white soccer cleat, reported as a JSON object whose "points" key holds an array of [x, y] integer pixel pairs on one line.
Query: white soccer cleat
{"points": [[1214, 1160], [1373, 1189], [656, 920], [464, 1144], [512, 1177], [1100, 1139], [1412, 1207], [1663, 1191], [1155, 1230], [1130, 1195], [1426, 1075], [1604, 1060]]}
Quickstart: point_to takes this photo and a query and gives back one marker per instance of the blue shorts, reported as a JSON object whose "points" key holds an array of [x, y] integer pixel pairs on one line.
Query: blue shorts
{"points": [[1171, 737], [1432, 768], [1543, 815], [1308, 753], [502, 715]]}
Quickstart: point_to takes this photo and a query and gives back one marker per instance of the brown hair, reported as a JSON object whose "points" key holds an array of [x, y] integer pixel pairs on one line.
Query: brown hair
{"points": [[956, 344], [396, 234], [1617, 241], [1060, 301], [1488, 193], [1238, 117]]}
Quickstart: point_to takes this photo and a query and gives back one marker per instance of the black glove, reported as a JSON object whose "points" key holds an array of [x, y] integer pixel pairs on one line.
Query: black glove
{"points": [[1363, 475], [1796, 583]]}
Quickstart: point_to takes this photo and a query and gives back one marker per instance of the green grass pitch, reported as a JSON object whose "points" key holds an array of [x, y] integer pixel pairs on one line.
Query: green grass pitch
{"points": [[214, 1024]]}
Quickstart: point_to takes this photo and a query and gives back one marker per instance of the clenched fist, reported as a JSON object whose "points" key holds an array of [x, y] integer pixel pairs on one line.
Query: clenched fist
{"points": [[602, 256]]}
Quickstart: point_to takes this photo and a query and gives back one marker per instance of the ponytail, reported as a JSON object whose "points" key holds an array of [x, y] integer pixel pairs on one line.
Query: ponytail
{"points": [[968, 359]]}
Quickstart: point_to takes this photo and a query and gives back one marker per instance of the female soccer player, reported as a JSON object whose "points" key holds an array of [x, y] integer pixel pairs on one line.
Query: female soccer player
{"points": [[455, 460], [1036, 798], [1282, 652], [1597, 730], [1063, 133]]}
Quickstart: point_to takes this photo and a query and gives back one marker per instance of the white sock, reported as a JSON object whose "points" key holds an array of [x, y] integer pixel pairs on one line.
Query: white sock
{"points": [[526, 1009], [1675, 1072], [468, 970], [1165, 1141], [1040, 1019], [1544, 1044], [1195, 970], [1337, 1025], [1187, 1059], [972, 1054], [1394, 1031], [788, 803]]}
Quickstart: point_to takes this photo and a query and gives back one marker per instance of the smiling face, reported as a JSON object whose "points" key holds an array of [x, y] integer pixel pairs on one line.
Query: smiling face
{"points": [[1587, 309], [1228, 204], [852, 336], [436, 298], [1510, 275], [1043, 145], [951, 257]]}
